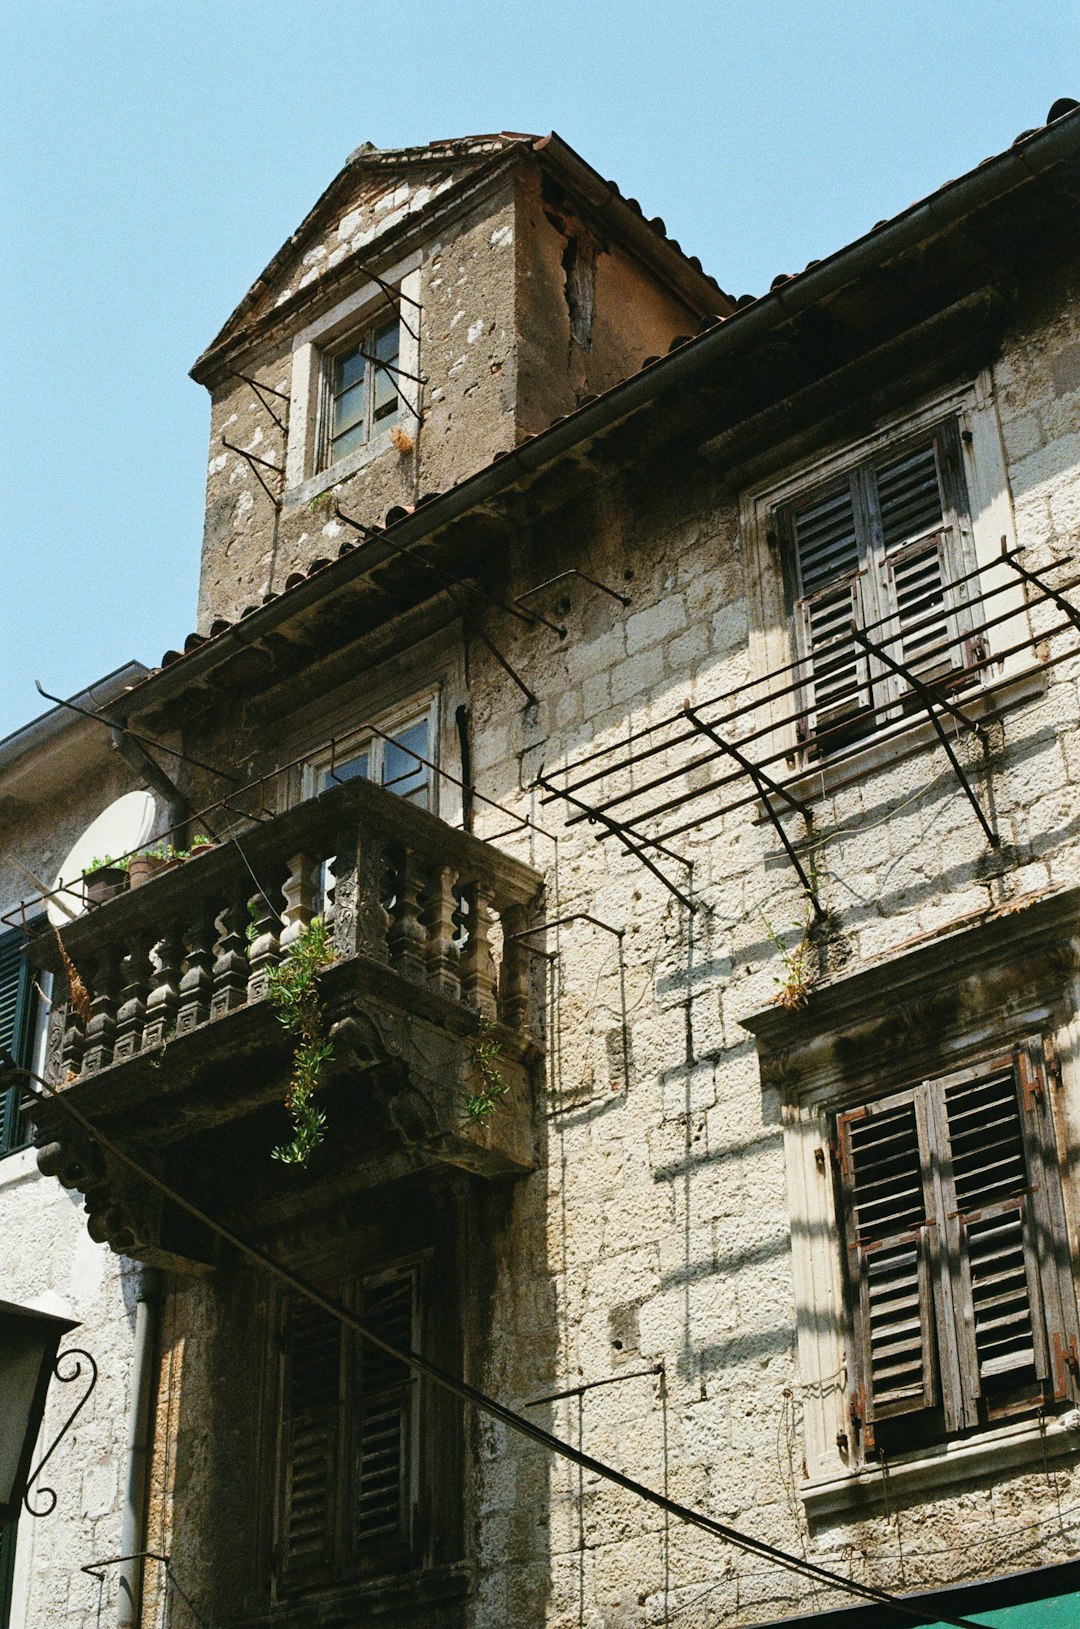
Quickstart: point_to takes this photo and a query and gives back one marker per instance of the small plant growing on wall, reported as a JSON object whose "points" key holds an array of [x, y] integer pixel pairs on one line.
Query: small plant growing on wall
{"points": [[795, 983], [294, 994], [486, 1052]]}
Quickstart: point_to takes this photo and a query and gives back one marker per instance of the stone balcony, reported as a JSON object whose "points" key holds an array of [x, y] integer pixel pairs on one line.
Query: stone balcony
{"points": [[182, 1061]]}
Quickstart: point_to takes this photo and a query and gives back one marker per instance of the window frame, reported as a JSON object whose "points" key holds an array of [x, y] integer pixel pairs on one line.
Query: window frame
{"points": [[366, 340], [314, 350], [955, 1394], [394, 721], [348, 1557], [985, 520]]}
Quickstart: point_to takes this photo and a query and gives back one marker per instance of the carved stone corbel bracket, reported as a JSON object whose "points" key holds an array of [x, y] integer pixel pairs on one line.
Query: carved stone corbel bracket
{"points": [[423, 1097], [130, 1216]]}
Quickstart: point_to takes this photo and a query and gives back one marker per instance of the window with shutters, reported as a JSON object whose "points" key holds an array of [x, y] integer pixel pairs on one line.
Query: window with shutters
{"points": [[350, 1443], [962, 1310], [883, 548], [17, 1013]]}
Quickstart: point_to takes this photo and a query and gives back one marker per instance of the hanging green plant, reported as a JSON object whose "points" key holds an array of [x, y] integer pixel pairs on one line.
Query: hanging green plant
{"points": [[293, 991], [486, 1051]]}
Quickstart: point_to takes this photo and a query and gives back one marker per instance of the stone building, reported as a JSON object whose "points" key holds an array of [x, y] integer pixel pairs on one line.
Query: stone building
{"points": [[667, 704]]}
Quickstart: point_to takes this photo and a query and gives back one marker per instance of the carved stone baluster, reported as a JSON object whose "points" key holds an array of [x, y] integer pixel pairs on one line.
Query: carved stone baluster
{"points": [[477, 966], [164, 997], [514, 972], [197, 979], [230, 962], [101, 1029], [346, 894], [372, 918], [263, 950], [407, 936], [54, 1042], [301, 892], [135, 973], [442, 951], [71, 1052]]}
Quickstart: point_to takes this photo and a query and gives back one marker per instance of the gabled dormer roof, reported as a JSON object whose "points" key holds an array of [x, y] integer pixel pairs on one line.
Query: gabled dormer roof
{"points": [[377, 197]]}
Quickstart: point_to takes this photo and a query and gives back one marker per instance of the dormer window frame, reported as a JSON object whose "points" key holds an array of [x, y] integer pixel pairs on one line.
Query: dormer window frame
{"points": [[317, 352]]}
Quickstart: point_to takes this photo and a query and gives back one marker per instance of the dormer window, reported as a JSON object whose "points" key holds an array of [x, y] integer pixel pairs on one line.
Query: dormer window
{"points": [[362, 390]]}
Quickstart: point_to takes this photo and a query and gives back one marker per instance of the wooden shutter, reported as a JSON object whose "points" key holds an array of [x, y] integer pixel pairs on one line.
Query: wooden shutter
{"points": [[311, 1437], [889, 1216], [825, 540], [382, 1486], [16, 1007], [917, 543], [1017, 1326]]}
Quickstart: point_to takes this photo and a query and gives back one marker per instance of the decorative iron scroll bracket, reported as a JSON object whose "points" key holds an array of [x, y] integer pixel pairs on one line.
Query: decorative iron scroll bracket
{"points": [[49, 1494], [765, 784], [930, 701]]}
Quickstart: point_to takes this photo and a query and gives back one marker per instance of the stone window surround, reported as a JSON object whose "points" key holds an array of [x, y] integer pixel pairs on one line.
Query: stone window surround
{"points": [[429, 674], [303, 481], [989, 519], [1016, 973]]}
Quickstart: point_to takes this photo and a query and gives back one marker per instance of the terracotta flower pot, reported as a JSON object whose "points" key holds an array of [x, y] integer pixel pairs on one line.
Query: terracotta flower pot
{"points": [[103, 883], [144, 866]]}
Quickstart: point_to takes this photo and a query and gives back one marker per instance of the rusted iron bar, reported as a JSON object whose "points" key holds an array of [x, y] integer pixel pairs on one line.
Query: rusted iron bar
{"points": [[1009, 556], [623, 599], [395, 296], [800, 662], [253, 462], [773, 725], [620, 832], [449, 579], [765, 784], [258, 387], [930, 701]]}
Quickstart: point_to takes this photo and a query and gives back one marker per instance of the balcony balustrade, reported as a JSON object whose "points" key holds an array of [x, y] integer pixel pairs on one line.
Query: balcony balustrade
{"points": [[178, 1038]]}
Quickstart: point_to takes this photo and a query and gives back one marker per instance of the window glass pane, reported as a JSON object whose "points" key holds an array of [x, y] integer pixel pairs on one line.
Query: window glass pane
{"points": [[384, 386], [349, 409], [349, 369], [348, 769], [348, 441], [401, 772]]}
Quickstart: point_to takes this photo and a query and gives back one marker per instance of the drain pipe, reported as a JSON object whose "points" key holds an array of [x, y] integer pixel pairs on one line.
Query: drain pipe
{"points": [[139, 1434]]}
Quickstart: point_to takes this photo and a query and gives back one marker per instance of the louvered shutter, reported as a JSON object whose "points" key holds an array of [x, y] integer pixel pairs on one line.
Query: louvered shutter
{"points": [[381, 1490], [917, 542], [16, 1003], [828, 557], [889, 1210], [1000, 1331], [311, 1438]]}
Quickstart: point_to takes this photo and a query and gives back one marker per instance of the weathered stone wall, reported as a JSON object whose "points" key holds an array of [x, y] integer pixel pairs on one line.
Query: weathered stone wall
{"points": [[45, 1250], [525, 308], [663, 1217]]}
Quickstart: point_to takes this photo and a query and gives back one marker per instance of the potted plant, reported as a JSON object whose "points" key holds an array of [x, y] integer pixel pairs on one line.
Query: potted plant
{"points": [[141, 867], [103, 878]]}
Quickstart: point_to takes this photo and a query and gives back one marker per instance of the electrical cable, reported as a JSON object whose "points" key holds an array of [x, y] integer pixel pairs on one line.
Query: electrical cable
{"points": [[470, 1394]]}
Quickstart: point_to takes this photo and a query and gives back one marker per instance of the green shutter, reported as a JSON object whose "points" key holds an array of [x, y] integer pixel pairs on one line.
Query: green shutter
{"points": [[16, 1031], [7, 1569]]}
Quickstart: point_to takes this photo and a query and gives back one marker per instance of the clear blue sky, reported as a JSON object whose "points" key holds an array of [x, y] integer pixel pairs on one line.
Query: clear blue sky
{"points": [[155, 156]]}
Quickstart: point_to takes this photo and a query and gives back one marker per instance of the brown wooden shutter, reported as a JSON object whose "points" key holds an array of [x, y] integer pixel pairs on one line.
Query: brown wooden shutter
{"points": [[382, 1493], [1051, 1243], [1004, 1224], [825, 540], [888, 1216], [917, 543], [311, 1436]]}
